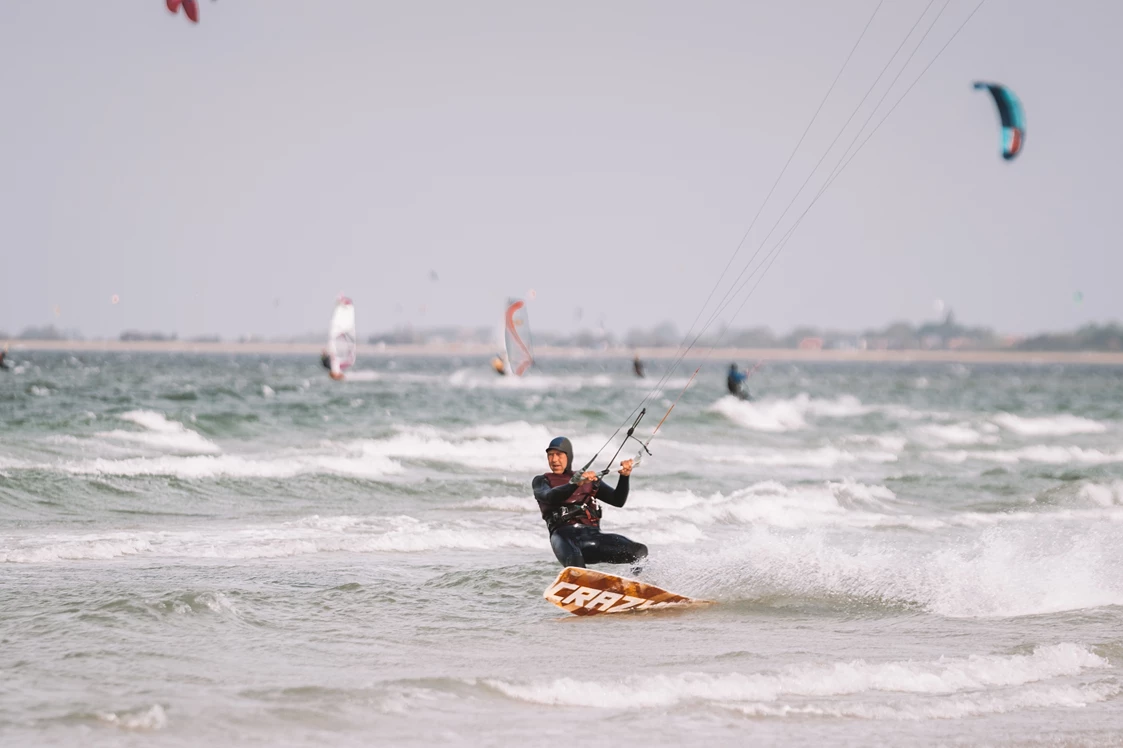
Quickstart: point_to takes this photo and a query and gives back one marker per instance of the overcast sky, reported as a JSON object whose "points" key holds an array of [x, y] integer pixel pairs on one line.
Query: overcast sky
{"points": [[233, 176]]}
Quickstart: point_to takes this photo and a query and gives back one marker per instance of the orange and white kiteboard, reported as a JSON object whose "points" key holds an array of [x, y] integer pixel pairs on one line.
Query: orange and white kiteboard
{"points": [[584, 592]]}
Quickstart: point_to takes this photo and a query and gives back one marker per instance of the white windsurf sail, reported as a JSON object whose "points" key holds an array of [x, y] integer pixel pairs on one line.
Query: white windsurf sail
{"points": [[341, 335], [516, 336]]}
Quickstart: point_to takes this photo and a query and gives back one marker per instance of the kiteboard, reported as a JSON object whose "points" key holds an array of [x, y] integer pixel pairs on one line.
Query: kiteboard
{"points": [[584, 592]]}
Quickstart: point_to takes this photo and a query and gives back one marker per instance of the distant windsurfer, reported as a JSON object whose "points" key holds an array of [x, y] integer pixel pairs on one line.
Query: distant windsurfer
{"points": [[329, 363], [499, 366], [572, 512], [637, 366], [3, 355], [735, 383]]}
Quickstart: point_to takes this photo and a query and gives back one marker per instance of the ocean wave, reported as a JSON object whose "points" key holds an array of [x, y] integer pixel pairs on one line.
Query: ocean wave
{"points": [[152, 718], [786, 415], [957, 434], [953, 675], [79, 548], [1040, 453], [768, 503], [398, 534], [201, 467], [1058, 425], [522, 504], [1105, 495], [515, 446], [1001, 571], [160, 434], [955, 707], [479, 378], [819, 457], [883, 442]]}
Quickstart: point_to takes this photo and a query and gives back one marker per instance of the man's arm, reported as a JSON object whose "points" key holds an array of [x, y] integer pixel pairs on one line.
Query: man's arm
{"points": [[551, 498], [614, 496]]}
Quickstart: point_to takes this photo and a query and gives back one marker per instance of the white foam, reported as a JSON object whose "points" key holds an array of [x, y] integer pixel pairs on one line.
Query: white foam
{"points": [[1059, 425], [775, 416], [975, 673], [885, 443], [785, 415], [958, 434], [235, 466], [1041, 453], [1103, 495], [1004, 570], [820, 457], [515, 447], [425, 443], [502, 504], [955, 707], [80, 548], [768, 503], [160, 434], [153, 718], [398, 534]]}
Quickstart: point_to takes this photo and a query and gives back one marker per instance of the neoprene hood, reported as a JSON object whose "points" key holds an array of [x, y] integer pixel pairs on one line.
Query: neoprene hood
{"points": [[563, 445]]}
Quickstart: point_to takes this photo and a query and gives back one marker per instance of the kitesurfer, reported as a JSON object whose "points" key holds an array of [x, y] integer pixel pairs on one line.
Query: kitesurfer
{"points": [[3, 355], [735, 383], [572, 511], [498, 365], [637, 366]]}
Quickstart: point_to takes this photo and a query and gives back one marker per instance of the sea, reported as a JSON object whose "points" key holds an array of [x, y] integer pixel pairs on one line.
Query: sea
{"points": [[233, 550]]}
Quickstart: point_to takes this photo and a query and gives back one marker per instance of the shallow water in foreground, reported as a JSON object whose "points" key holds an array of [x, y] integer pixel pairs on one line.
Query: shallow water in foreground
{"points": [[237, 550]]}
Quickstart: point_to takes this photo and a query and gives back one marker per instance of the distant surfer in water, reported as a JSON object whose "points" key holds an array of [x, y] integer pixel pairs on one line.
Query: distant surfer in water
{"points": [[637, 366], [3, 354], [498, 365], [572, 513], [735, 383]]}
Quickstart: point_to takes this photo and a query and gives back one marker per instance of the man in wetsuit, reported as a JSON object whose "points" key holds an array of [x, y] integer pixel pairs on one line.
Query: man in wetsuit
{"points": [[637, 366], [735, 383], [572, 513]]}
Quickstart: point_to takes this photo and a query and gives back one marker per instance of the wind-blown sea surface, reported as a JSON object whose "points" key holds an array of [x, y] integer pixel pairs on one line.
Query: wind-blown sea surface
{"points": [[234, 550]]}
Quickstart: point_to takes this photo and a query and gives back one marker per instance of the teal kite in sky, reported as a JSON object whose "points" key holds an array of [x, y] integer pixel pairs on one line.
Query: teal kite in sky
{"points": [[1012, 116]]}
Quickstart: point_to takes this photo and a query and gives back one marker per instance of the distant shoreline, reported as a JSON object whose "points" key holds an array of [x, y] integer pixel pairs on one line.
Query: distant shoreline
{"points": [[741, 355]]}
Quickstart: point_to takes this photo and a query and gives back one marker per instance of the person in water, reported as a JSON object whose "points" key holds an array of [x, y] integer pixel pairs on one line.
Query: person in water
{"points": [[327, 363], [637, 366], [735, 383], [572, 512], [497, 364], [3, 355]]}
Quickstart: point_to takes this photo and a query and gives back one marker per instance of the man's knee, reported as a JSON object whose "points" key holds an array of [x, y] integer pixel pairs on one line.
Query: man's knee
{"points": [[567, 553]]}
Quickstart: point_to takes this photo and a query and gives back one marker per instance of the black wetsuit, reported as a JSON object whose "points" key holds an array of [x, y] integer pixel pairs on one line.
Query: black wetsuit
{"points": [[577, 539], [735, 383], [637, 367], [325, 360]]}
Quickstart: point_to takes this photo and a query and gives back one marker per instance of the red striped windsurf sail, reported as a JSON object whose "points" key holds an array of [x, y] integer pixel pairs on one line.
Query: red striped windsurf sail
{"points": [[516, 336]]}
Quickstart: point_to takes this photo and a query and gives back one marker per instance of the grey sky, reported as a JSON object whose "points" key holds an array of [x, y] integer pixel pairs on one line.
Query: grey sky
{"points": [[232, 177]]}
